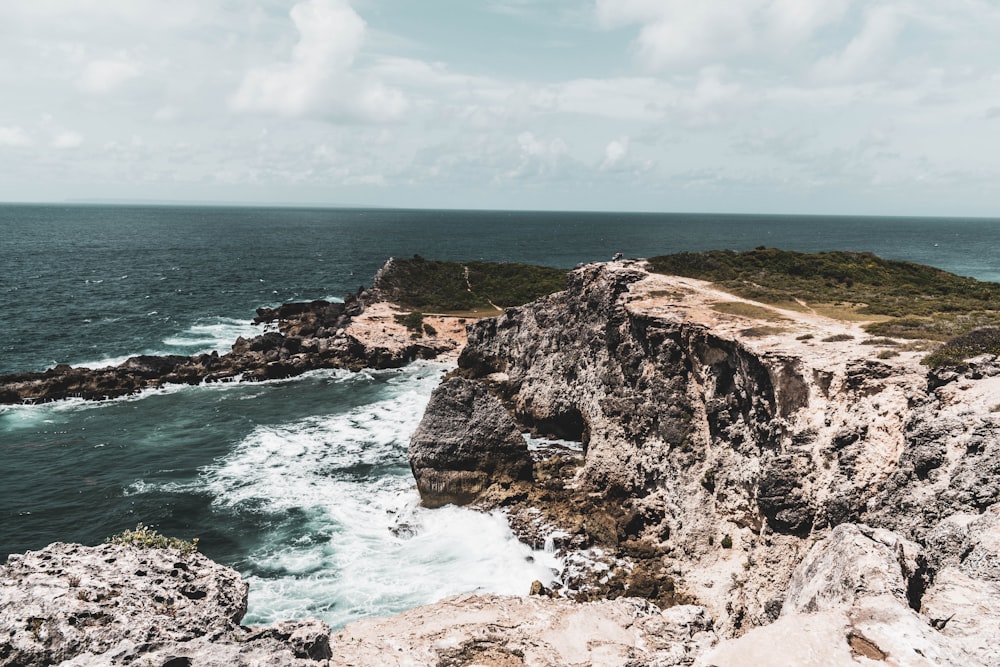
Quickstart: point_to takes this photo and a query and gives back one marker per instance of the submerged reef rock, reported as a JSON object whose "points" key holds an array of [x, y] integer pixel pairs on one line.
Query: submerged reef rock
{"points": [[723, 437], [466, 442]]}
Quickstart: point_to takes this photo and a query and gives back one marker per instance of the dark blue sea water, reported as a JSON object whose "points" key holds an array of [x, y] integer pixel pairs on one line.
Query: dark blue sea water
{"points": [[301, 484]]}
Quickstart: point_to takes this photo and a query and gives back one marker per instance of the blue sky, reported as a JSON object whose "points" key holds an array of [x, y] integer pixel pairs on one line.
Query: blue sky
{"points": [[783, 106]]}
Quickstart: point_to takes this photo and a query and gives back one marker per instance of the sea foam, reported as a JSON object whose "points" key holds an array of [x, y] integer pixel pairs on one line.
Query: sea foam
{"points": [[345, 536]]}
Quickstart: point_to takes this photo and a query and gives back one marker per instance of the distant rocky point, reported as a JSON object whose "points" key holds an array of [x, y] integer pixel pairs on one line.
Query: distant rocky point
{"points": [[368, 330]]}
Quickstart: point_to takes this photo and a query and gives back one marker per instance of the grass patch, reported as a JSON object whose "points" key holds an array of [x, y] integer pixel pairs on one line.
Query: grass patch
{"points": [[879, 341], [838, 338], [474, 287], [961, 348], [747, 310], [145, 537], [414, 322], [760, 332], [906, 300]]}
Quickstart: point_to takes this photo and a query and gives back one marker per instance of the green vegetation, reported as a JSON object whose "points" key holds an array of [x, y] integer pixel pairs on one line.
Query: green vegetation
{"points": [[474, 287], [966, 346], [867, 283], [898, 299], [147, 538], [760, 332], [727, 541], [413, 321]]}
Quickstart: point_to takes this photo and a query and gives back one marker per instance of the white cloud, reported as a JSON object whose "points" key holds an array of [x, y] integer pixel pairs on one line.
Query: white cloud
{"points": [[679, 33], [317, 79], [865, 52], [538, 157], [614, 153], [14, 136], [103, 76], [68, 139]]}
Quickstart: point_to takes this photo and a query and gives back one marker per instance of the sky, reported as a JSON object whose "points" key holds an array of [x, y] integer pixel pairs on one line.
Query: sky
{"points": [[885, 107]]}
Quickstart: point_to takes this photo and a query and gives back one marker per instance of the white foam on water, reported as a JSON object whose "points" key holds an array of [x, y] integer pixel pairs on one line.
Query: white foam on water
{"points": [[540, 444], [213, 335], [365, 547]]}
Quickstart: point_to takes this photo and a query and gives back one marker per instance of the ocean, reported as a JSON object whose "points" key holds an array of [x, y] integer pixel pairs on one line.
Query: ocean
{"points": [[302, 485]]}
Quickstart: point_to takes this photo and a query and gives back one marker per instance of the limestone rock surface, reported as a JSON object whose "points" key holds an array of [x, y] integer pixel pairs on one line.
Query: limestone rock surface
{"points": [[110, 605], [724, 437], [530, 631], [465, 443]]}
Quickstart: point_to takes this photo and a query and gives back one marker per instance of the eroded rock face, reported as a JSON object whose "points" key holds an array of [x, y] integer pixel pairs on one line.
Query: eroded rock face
{"points": [[76, 605], [718, 445], [856, 595], [465, 443]]}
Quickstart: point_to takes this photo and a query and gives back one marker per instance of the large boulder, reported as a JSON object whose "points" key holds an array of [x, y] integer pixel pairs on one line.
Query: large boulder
{"points": [[853, 600], [110, 605], [465, 443]]}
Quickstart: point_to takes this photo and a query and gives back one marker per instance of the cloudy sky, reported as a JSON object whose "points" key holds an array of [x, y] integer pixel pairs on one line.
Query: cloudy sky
{"points": [[783, 106]]}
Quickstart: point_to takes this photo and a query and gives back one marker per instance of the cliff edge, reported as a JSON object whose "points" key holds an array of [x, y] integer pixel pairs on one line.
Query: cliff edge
{"points": [[725, 441]]}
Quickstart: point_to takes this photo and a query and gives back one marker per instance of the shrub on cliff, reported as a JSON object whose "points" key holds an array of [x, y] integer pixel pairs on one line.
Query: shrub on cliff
{"points": [[146, 538], [442, 287], [957, 350], [915, 301]]}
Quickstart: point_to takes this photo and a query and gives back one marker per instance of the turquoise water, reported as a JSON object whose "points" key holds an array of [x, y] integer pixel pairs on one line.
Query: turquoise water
{"points": [[300, 484]]}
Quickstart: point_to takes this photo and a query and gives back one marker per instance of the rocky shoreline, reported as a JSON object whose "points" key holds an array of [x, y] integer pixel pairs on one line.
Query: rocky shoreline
{"points": [[752, 485], [361, 332]]}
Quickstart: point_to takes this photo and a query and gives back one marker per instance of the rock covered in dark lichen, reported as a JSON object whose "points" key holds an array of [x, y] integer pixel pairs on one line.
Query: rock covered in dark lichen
{"points": [[466, 442]]}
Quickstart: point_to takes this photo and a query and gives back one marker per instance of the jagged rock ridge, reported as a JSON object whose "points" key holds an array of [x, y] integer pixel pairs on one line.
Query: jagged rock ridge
{"points": [[722, 446]]}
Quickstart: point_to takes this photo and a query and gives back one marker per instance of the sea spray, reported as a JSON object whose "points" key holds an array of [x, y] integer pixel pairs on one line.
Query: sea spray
{"points": [[343, 534]]}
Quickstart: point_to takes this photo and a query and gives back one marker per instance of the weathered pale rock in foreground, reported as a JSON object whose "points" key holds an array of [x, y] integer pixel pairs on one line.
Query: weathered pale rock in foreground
{"points": [[110, 605], [515, 632]]}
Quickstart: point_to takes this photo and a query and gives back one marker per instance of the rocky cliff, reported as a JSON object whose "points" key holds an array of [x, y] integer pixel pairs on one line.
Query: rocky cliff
{"points": [[723, 438], [749, 485]]}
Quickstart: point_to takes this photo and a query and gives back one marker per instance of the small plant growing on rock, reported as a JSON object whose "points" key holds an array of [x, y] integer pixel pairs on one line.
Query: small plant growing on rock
{"points": [[727, 541], [412, 321], [73, 580], [985, 340], [147, 538]]}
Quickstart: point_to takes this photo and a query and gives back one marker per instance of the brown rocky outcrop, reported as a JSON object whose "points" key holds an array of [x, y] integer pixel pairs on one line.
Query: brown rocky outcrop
{"points": [[466, 443], [722, 441]]}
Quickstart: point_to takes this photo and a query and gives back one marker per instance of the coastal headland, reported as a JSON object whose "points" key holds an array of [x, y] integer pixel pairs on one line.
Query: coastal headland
{"points": [[762, 458]]}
